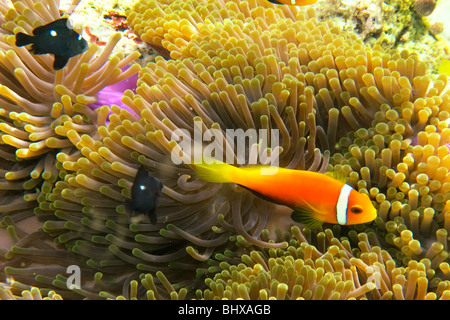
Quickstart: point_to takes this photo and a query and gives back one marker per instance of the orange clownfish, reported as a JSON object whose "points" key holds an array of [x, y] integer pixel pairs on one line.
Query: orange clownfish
{"points": [[315, 197], [293, 2]]}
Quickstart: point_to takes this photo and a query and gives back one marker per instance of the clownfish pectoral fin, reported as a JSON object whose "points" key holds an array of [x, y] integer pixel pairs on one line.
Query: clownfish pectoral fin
{"points": [[339, 176], [259, 195], [305, 216]]}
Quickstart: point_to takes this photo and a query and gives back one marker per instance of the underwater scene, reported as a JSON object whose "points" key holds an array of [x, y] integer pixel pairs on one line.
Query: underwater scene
{"points": [[224, 149]]}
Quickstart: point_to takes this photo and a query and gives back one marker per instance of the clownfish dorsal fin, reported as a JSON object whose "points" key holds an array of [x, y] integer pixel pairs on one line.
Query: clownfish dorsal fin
{"points": [[336, 175], [304, 216]]}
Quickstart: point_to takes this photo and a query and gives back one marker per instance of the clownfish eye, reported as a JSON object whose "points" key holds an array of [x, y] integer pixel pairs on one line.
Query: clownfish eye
{"points": [[356, 209]]}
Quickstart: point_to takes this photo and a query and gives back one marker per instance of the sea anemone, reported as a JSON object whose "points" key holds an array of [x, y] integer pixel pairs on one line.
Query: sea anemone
{"points": [[42, 113], [170, 25], [330, 270], [26, 293], [317, 86], [28, 79]]}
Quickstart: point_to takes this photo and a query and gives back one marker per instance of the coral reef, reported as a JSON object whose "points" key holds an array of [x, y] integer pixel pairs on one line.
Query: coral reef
{"points": [[372, 113], [440, 15], [391, 24], [363, 17], [100, 19], [424, 7]]}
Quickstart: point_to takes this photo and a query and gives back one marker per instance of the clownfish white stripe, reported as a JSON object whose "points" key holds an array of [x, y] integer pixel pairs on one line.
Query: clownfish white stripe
{"points": [[342, 204]]}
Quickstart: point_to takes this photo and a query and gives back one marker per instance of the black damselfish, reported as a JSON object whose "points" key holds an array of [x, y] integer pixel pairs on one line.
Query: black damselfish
{"points": [[57, 38], [144, 194]]}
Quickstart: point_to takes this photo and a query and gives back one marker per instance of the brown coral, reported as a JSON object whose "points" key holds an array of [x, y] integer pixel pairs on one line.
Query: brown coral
{"points": [[424, 7]]}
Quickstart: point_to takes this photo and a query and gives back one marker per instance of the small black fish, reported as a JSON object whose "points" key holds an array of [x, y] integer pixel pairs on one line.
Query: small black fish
{"points": [[57, 38], [144, 194]]}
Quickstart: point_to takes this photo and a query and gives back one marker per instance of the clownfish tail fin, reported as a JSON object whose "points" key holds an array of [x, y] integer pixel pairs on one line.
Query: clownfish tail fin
{"points": [[212, 170]]}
